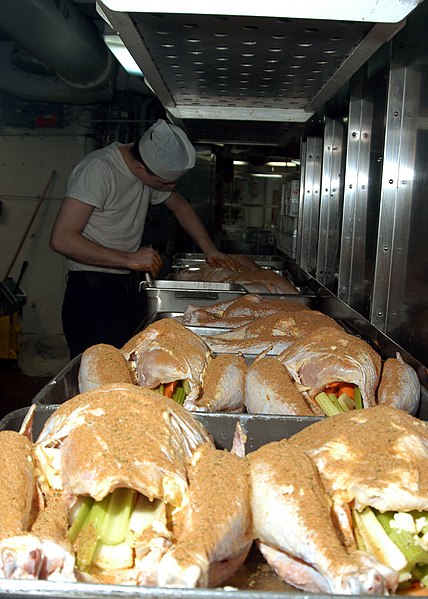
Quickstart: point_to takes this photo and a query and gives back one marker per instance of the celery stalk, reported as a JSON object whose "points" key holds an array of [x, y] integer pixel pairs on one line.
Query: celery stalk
{"points": [[423, 574], [90, 534], [80, 518], [186, 386], [376, 540], [120, 508], [404, 539], [334, 400], [358, 399], [346, 403], [179, 395], [325, 403]]}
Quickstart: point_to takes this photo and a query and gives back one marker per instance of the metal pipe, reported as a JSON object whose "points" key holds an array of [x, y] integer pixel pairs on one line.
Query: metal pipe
{"points": [[58, 35]]}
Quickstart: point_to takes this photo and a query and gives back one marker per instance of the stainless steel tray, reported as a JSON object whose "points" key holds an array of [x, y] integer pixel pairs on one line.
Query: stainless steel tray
{"points": [[61, 387], [185, 260], [191, 285], [254, 580], [260, 429], [175, 296], [65, 385]]}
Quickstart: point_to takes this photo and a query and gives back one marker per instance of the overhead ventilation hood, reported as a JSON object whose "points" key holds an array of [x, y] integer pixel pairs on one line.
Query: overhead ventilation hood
{"points": [[235, 77]]}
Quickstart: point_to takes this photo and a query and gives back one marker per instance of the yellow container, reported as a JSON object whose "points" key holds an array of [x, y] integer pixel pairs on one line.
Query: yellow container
{"points": [[9, 329]]}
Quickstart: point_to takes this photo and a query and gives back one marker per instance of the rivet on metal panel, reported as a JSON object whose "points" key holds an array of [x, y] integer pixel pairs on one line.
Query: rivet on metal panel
{"points": [[350, 186], [396, 113], [391, 181], [403, 182], [363, 186], [386, 249], [354, 134], [380, 313]]}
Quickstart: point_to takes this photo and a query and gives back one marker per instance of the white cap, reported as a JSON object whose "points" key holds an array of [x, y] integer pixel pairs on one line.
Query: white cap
{"points": [[167, 151]]}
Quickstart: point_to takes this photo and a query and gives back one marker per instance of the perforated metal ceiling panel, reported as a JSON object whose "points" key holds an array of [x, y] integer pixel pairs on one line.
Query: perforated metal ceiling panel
{"points": [[253, 77]]}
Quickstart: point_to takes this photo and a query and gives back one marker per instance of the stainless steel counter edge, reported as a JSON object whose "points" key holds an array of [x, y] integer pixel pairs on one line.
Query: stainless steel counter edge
{"points": [[22, 589]]}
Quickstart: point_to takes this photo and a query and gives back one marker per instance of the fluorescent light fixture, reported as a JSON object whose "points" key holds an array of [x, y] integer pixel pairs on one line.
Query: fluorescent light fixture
{"points": [[383, 11], [240, 163], [281, 164], [266, 175], [121, 52]]}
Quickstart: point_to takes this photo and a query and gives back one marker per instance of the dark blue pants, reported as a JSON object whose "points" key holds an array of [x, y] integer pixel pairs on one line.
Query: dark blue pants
{"points": [[101, 308]]}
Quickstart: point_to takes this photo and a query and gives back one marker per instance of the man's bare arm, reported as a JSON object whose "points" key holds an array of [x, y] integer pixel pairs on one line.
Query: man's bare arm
{"points": [[67, 239]]}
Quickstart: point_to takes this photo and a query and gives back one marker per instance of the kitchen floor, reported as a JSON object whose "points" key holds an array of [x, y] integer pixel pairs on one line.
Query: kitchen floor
{"points": [[17, 389]]}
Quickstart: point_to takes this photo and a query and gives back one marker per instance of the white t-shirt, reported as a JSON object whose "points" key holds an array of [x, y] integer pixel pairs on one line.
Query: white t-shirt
{"points": [[103, 180]]}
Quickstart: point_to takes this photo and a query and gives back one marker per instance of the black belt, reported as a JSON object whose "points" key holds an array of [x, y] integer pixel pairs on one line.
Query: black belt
{"points": [[92, 277]]}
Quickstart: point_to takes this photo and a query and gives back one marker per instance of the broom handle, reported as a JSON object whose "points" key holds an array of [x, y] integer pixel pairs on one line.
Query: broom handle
{"points": [[42, 197]]}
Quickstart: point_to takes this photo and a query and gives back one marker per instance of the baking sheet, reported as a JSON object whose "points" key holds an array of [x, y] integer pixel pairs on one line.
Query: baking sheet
{"points": [[254, 580]]}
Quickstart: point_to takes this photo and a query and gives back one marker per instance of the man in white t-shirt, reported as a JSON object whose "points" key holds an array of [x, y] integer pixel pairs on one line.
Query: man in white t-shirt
{"points": [[100, 225]]}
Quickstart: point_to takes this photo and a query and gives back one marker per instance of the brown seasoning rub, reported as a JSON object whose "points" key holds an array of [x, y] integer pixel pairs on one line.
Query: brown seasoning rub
{"points": [[275, 378], [217, 366], [246, 272], [375, 448], [238, 312], [311, 320], [167, 347], [52, 521], [399, 386], [218, 506], [130, 437], [246, 306], [103, 364], [328, 354], [291, 326], [168, 332], [222, 373], [297, 480], [17, 483]]}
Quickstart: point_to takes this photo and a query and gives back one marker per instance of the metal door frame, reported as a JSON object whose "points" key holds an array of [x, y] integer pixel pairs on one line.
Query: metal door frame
{"points": [[396, 198], [309, 209], [351, 284], [330, 202]]}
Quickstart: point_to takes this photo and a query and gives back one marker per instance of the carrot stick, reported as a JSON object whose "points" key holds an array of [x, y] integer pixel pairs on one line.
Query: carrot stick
{"points": [[169, 389], [331, 388], [348, 389]]}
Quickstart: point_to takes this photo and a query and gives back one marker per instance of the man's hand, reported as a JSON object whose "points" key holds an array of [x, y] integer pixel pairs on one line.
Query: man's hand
{"points": [[219, 260], [147, 260]]}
